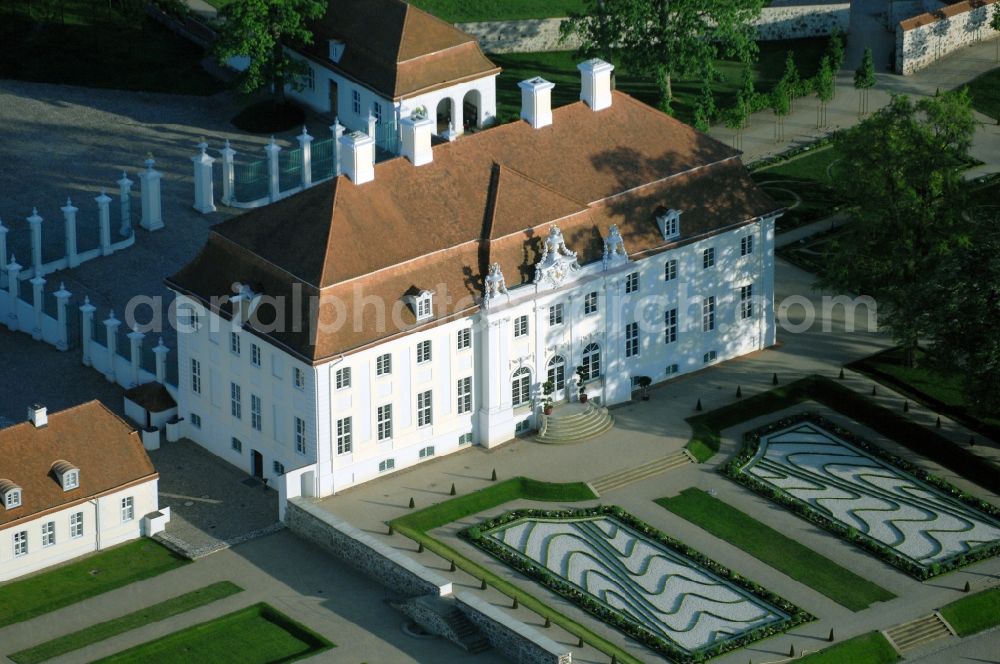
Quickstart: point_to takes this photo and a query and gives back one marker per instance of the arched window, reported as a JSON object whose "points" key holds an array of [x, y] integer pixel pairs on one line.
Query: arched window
{"points": [[591, 362], [520, 387], [557, 372]]}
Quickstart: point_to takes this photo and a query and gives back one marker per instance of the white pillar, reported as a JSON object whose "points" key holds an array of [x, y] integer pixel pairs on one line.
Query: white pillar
{"points": [[37, 295], [161, 362], [86, 328], [204, 188], [36, 240], [149, 190], [372, 124], [104, 214], [111, 326], [69, 214], [3, 247], [13, 286], [274, 184], [125, 194], [228, 174], [337, 130], [62, 299], [457, 117], [135, 338], [305, 142]]}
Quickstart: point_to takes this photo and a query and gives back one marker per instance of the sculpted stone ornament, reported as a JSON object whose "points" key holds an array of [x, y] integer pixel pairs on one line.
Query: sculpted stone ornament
{"points": [[557, 261], [614, 248], [495, 285]]}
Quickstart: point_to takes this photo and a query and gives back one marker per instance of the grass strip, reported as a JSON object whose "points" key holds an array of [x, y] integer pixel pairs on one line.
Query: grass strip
{"points": [[776, 550], [110, 628], [974, 613], [463, 11], [870, 648], [258, 634], [87, 577]]}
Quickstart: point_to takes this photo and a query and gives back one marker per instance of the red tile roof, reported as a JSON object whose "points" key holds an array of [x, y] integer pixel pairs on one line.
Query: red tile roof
{"points": [[944, 13]]}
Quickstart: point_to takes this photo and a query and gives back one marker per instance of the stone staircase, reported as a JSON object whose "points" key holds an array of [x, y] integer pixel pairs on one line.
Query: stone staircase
{"points": [[918, 633], [625, 477], [466, 634], [573, 423]]}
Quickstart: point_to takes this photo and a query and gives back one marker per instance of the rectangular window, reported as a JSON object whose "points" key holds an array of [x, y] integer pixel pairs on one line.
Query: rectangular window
{"points": [[465, 339], [670, 326], [255, 416], [377, 112], [386, 464], [708, 314], [234, 343], [746, 301], [670, 270], [48, 533], [383, 365], [384, 422], [21, 544], [671, 369], [424, 307], [464, 395], [709, 357], [424, 409], [344, 436], [556, 314], [524, 426], [195, 376], [708, 258], [255, 355], [278, 467], [590, 304], [746, 245], [465, 438], [236, 400], [76, 525], [356, 102], [300, 435], [423, 352], [196, 420], [310, 79], [631, 339], [128, 509], [343, 379], [193, 320], [237, 445], [426, 452], [632, 282], [521, 326], [298, 378]]}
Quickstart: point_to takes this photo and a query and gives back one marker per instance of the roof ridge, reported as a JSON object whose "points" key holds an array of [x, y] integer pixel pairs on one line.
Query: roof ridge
{"points": [[329, 232], [543, 185]]}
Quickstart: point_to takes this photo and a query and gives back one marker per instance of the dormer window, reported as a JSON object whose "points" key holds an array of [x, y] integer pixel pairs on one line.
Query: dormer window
{"points": [[423, 305], [336, 49], [71, 480], [67, 474], [11, 494], [669, 222]]}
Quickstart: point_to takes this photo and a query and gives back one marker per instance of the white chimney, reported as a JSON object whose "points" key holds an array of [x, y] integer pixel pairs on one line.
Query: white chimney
{"points": [[595, 83], [38, 415], [416, 134], [536, 101], [357, 156]]}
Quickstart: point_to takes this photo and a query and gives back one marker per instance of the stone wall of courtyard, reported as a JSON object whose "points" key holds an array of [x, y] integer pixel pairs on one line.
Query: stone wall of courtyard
{"points": [[928, 37], [511, 637]]}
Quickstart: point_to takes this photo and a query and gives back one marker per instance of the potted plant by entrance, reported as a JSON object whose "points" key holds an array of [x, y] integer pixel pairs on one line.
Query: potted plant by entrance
{"points": [[548, 387], [644, 382], [580, 379]]}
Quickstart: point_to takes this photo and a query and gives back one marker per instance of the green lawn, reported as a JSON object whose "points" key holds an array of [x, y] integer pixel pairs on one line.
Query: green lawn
{"points": [[810, 177], [559, 67], [974, 613], [985, 90], [255, 635], [870, 648], [89, 45], [811, 255], [467, 11], [110, 628], [771, 547], [76, 581]]}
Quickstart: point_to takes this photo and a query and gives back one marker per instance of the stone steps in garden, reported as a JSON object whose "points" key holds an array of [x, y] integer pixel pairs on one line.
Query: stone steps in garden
{"points": [[579, 425], [628, 476], [469, 636], [917, 633]]}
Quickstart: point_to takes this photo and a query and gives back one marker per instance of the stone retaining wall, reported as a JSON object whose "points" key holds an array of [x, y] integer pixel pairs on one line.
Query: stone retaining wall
{"points": [[928, 37], [511, 637], [393, 569]]}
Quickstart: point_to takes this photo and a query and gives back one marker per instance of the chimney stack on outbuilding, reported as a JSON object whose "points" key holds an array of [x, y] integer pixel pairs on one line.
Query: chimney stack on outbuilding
{"points": [[357, 156], [416, 133], [38, 415], [536, 101], [595, 83]]}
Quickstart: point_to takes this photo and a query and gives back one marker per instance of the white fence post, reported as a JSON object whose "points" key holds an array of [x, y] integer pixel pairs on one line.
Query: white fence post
{"points": [[104, 215], [13, 286], [111, 325], [36, 240], [372, 127], [204, 187], [338, 130], [69, 214], [87, 328], [135, 338], [125, 192], [228, 174], [37, 295], [272, 149], [161, 362], [3, 247], [149, 191], [305, 142], [62, 299]]}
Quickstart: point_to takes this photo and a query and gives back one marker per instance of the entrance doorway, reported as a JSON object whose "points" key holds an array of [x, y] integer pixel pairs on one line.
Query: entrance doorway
{"points": [[257, 464], [557, 376], [444, 115], [333, 98]]}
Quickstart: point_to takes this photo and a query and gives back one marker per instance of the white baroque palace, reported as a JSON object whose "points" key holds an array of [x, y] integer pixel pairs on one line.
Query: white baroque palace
{"points": [[409, 309]]}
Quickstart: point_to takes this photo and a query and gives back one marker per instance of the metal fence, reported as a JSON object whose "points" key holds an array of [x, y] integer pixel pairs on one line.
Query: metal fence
{"points": [[387, 137], [324, 160], [290, 169], [250, 181]]}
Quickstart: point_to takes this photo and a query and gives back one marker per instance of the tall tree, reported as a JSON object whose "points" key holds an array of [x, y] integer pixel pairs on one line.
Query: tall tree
{"points": [[995, 24], [736, 119], [790, 77], [898, 171], [864, 80], [781, 105], [835, 50], [705, 109], [261, 30], [744, 98], [824, 90], [666, 39]]}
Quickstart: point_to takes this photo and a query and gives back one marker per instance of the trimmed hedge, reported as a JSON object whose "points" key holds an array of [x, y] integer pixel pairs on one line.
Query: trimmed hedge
{"points": [[734, 469], [478, 535]]}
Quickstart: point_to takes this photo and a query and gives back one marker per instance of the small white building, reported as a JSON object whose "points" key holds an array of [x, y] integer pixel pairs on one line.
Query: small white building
{"points": [[408, 309], [385, 59], [71, 483]]}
